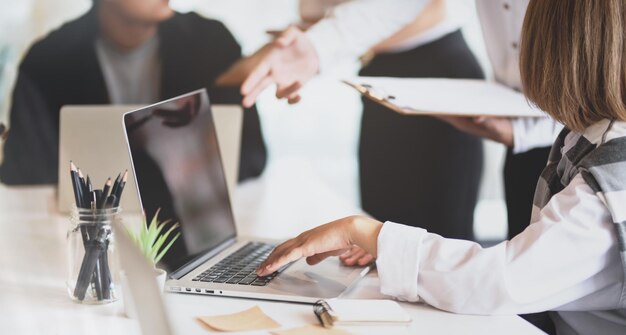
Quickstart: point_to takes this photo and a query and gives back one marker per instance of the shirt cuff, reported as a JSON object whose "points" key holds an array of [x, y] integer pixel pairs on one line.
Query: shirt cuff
{"points": [[324, 40], [531, 133], [398, 260], [518, 131]]}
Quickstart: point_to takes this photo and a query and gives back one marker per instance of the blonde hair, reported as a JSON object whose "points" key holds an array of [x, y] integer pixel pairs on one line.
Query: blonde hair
{"points": [[572, 60]]}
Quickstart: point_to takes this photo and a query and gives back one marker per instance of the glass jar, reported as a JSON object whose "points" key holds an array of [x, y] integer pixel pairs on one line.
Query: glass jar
{"points": [[92, 263]]}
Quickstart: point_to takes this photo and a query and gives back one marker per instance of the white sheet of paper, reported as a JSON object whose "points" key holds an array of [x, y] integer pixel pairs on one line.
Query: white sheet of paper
{"points": [[364, 311], [437, 96]]}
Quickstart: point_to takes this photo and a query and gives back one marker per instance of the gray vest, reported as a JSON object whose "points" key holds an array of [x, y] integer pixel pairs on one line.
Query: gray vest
{"points": [[603, 167]]}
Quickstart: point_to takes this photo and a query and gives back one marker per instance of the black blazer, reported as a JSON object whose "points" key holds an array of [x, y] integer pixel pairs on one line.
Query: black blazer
{"points": [[63, 69]]}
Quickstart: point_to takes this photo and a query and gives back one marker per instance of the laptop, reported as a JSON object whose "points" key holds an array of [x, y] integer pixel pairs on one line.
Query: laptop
{"points": [[179, 171], [93, 137]]}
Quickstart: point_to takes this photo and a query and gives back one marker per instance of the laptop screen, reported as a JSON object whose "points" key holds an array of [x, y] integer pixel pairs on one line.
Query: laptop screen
{"points": [[178, 169]]}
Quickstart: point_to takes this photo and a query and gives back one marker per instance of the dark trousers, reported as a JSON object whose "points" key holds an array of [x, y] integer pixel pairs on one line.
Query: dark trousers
{"points": [[521, 173], [418, 170]]}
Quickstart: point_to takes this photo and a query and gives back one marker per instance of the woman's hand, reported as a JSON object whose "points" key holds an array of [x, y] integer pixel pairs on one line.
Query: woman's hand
{"points": [[331, 239], [241, 69], [356, 256], [290, 62], [499, 129]]}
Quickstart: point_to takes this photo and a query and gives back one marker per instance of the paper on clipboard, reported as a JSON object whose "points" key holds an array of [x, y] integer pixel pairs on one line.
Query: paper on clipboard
{"points": [[437, 96]]}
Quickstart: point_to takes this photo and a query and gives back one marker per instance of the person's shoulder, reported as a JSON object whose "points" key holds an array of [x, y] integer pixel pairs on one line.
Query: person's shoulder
{"points": [[200, 27], [195, 20], [59, 45]]}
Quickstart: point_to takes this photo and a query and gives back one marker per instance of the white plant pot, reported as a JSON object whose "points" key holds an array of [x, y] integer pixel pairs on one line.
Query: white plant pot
{"points": [[129, 305]]}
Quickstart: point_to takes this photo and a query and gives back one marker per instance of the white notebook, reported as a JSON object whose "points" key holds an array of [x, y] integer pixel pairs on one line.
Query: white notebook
{"points": [[437, 96], [354, 312]]}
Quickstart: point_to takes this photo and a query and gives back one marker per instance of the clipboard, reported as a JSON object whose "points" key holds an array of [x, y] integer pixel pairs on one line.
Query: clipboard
{"points": [[449, 97]]}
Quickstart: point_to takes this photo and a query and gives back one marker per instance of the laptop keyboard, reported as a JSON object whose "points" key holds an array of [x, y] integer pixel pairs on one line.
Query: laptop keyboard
{"points": [[240, 267]]}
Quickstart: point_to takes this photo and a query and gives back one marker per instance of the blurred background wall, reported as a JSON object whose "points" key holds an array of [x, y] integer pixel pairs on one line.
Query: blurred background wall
{"points": [[318, 135]]}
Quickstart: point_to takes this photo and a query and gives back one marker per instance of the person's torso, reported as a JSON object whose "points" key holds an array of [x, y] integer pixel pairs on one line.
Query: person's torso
{"points": [[439, 18], [501, 22], [599, 156], [133, 76]]}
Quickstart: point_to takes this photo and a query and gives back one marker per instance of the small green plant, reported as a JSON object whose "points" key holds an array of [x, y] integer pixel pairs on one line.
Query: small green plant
{"points": [[151, 240]]}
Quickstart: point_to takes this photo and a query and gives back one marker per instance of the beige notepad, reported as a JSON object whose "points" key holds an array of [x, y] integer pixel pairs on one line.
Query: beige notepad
{"points": [[360, 312], [251, 319], [438, 96], [310, 330]]}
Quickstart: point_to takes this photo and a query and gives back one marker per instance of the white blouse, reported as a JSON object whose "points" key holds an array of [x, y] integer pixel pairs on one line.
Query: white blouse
{"points": [[567, 260], [354, 27]]}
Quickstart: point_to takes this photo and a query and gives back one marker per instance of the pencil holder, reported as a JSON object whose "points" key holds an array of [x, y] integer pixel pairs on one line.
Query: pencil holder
{"points": [[92, 261]]}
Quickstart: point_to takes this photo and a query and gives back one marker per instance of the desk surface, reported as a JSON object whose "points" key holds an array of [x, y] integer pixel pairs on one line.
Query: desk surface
{"points": [[33, 298]]}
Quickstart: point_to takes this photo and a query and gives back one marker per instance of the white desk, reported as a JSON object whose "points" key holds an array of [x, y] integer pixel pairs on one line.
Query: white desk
{"points": [[33, 298]]}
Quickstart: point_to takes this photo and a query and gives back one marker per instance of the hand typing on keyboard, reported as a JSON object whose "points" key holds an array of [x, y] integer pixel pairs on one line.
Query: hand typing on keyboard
{"points": [[331, 239], [239, 267]]}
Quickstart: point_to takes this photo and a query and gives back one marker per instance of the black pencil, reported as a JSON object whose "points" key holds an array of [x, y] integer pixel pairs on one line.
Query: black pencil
{"points": [[98, 199], [85, 191], [116, 184], [75, 185], [79, 200], [120, 189], [105, 191], [111, 201], [89, 185]]}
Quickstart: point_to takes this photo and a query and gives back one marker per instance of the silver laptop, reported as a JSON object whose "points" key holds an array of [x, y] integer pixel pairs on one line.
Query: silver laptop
{"points": [[178, 169], [93, 137]]}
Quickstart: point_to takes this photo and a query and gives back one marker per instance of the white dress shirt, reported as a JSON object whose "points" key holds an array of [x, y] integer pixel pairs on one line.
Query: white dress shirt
{"points": [[354, 27], [566, 260], [501, 22]]}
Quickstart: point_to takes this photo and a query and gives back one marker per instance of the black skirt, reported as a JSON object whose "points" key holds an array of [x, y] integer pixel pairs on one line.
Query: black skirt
{"points": [[418, 170]]}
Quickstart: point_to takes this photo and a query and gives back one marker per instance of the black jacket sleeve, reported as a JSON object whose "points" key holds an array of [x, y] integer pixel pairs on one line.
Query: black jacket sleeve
{"points": [[253, 157], [30, 152]]}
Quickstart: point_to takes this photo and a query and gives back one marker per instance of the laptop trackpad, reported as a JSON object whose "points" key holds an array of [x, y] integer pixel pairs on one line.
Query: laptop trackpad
{"points": [[325, 280]]}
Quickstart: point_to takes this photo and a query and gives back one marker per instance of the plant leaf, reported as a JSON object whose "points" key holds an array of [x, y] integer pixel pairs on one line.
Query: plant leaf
{"points": [[144, 237], [157, 246], [151, 237], [167, 247], [153, 233]]}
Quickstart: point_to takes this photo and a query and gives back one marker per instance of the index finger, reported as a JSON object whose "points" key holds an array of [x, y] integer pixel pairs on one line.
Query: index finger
{"points": [[276, 260], [261, 71]]}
